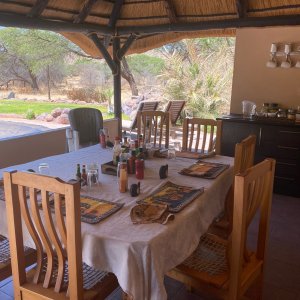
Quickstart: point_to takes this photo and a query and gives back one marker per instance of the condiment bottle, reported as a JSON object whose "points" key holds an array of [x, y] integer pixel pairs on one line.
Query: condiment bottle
{"points": [[78, 173], [139, 169], [141, 141], [84, 175], [123, 176], [131, 163], [117, 150], [102, 139]]}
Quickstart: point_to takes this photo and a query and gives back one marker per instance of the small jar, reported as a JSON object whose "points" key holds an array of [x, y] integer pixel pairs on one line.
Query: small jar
{"points": [[139, 169], [291, 115], [281, 113]]}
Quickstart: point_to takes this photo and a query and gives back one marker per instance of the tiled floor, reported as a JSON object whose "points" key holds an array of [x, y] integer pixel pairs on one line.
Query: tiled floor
{"points": [[282, 276]]}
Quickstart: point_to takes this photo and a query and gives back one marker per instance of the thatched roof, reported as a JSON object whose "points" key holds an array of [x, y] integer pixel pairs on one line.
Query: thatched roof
{"points": [[153, 22]]}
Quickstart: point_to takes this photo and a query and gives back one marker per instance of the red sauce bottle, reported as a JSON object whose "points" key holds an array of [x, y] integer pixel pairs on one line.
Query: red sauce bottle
{"points": [[139, 168]]}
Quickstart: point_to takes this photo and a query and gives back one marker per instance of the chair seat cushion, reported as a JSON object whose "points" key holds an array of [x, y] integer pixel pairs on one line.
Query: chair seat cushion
{"points": [[208, 262]]}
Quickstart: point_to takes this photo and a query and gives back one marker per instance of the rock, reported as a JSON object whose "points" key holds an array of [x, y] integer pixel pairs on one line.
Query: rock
{"points": [[62, 119], [56, 112], [49, 118], [41, 117], [11, 95], [65, 111], [81, 102]]}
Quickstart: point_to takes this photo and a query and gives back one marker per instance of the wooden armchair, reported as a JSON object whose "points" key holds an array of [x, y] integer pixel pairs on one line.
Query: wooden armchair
{"points": [[243, 159], [201, 135], [155, 127], [59, 271], [225, 269]]}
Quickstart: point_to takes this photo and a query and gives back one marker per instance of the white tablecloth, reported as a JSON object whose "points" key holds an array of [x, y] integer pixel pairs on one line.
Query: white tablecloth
{"points": [[139, 255]]}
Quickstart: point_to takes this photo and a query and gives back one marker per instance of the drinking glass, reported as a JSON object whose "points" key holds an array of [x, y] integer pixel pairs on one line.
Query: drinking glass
{"points": [[171, 153], [92, 178], [177, 146], [44, 169]]}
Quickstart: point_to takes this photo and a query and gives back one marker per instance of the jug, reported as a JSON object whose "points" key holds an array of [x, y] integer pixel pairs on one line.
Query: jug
{"points": [[249, 108]]}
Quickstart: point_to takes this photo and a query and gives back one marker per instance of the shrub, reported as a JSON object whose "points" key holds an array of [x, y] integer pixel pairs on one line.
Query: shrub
{"points": [[89, 94], [30, 115]]}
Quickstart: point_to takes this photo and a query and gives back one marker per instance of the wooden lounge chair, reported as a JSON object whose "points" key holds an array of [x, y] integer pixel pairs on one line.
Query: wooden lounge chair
{"points": [[175, 107], [225, 269], [145, 105]]}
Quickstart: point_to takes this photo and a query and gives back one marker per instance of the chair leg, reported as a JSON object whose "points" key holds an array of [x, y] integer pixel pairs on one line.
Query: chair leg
{"points": [[256, 290]]}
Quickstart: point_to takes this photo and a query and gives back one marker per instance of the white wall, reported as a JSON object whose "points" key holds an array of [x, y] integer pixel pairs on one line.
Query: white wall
{"points": [[252, 80]]}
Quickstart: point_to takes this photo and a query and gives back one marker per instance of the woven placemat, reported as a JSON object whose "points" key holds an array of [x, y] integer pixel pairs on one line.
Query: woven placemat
{"points": [[174, 195], [202, 169]]}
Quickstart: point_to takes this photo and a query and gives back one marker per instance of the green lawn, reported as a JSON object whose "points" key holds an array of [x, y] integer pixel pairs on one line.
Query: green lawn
{"points": [[21, 107]]}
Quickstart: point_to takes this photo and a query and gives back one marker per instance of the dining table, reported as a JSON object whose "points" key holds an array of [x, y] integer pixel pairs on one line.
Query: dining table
{"points": [[138, 254]]}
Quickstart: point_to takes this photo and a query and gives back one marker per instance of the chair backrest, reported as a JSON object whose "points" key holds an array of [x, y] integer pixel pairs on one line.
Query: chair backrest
{"points": [[154, 126], [145, 105], [175, 107], [244, 154], [87, 121], [252, 193], [28, 199], [201, 135]]}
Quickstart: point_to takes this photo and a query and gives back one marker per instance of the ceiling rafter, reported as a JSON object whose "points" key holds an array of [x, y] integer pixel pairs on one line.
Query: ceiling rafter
{"points": [[38, 8], [85, 10], [171, 11], [242, 7], [115, 14]]}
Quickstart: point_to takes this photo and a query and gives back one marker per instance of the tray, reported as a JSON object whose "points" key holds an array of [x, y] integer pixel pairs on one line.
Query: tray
{"points": [[109, 168]]}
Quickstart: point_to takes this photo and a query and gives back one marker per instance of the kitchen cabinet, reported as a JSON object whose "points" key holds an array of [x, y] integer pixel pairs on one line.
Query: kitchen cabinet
{"points": [[278, 139]]}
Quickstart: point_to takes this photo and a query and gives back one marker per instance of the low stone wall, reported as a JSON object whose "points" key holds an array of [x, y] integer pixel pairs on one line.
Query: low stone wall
{"points": [[23, 149]]}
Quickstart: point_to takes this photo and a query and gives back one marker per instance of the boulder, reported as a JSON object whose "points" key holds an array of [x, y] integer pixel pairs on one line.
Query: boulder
{"points": [[49, 118], [41, 117], [65, 110], [62, 119], [56, 112]]}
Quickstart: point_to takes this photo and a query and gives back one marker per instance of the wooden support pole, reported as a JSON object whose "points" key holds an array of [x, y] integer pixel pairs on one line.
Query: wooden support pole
{"points": [[126, 46], [111, 63], [117, 84], [115, 14]]}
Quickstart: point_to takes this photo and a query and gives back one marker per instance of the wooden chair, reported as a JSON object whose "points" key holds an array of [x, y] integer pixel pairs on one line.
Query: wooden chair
{"points": [[201, 135], [59, 272], [223, 268], [174, 107], [154, 126], [5, 259], [145, 105], [243, 159]]}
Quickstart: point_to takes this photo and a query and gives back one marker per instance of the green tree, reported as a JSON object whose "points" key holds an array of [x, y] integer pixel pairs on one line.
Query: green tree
{"points": [[32, 55]]}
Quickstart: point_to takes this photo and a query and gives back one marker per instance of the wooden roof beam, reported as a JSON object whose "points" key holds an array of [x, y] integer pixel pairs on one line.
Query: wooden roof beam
{"points": [[170, 11], [13, 20], [121, 53], [114, 68], [206, 25], [85, 10], [38, 8], [242, 7]]}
